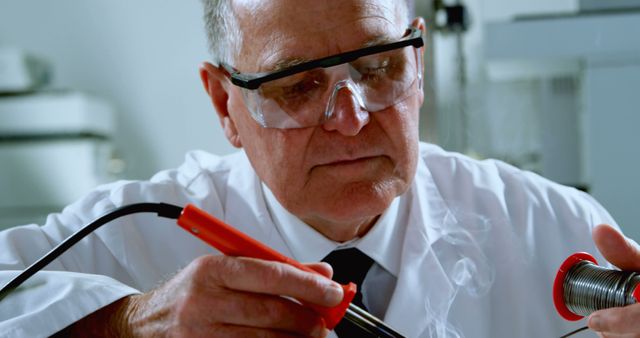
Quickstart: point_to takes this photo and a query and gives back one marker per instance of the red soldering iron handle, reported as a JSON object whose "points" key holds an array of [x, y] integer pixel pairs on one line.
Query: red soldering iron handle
{"points": [[232, 242]]}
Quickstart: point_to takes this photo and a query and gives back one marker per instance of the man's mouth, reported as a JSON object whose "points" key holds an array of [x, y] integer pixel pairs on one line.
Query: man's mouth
{"points": [[353, 161]]}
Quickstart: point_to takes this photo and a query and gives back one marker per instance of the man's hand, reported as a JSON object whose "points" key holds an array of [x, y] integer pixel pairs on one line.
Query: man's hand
{"points": [[220, 296], [625, 254]]}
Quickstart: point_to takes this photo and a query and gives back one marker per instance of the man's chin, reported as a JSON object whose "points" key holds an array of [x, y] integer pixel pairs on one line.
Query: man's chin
{"points": [[349, 212]]}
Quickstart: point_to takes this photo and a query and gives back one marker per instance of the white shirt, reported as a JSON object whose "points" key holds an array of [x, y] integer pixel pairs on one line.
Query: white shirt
{"points": [[481, 245]]}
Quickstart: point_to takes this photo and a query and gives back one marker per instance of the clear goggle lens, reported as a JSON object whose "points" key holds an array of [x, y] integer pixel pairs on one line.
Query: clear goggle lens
{"points": [[307, 99]]}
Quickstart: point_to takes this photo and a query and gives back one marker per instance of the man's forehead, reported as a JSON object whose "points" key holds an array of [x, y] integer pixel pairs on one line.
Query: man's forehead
{"points": [[279, 33]]}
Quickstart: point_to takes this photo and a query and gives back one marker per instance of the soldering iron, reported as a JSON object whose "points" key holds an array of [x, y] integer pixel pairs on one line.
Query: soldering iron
{"points": [[229, 241]]}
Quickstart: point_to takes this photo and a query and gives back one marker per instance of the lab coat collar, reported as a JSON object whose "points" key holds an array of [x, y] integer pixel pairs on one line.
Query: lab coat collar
{"points": [[421, 310], [381, 243], [304, 242]]}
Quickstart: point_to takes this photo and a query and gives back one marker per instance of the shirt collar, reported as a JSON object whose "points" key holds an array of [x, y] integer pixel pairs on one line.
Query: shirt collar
{"points": [[383, 242]]}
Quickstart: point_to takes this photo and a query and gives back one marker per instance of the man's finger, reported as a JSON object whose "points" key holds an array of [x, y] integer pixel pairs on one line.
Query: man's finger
{"points": [[234, 331], [274, 278], [616, 321], [616, 248], [323, 268], [268, 312]]}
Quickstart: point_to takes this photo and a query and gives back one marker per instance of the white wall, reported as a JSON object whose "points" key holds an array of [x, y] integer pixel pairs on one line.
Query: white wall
{"points": [[493, 10], [449, 121], [612, 122], [141, 55]]}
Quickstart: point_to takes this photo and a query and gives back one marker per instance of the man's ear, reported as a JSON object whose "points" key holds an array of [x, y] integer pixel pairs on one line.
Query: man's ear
{"points": [[419, 24], [217, 87]]}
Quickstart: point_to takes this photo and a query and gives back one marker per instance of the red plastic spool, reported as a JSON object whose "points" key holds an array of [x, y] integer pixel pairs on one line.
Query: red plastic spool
{"points": [[558, 285]]}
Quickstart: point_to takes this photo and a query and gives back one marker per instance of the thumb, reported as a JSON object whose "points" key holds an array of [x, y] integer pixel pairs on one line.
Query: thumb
{"points": [[616, 248]]}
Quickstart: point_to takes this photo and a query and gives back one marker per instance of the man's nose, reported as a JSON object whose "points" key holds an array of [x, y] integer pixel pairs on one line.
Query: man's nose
{"points": [[347, 117]]}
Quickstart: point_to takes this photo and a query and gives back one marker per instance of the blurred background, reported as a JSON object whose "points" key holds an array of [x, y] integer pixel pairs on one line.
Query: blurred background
{"points": [[92, 92]]}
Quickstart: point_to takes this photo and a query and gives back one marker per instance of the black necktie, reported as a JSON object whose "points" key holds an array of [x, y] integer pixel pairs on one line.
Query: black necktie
{"points": [[350, 265]]}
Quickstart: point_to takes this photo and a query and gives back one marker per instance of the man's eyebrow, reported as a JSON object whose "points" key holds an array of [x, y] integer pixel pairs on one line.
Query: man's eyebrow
{"points": [[288, 63], [294, 61], [379, 40]]}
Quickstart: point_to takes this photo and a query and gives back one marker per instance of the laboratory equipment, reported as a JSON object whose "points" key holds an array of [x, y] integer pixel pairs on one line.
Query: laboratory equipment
{"points": [[21, 71], [55, 146]]}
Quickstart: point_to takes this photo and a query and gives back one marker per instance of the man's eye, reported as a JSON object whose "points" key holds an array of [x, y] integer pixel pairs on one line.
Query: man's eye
{"points": [[377, 71], [308, 85], [373, 68], [290, 87], [300, 87]]}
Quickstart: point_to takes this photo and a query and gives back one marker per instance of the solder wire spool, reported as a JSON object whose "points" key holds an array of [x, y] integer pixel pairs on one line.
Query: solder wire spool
{"points": [[582, 287]]}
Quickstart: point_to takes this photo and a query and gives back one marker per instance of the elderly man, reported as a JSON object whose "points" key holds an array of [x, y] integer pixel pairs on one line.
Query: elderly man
{"points": [[323, 98]]}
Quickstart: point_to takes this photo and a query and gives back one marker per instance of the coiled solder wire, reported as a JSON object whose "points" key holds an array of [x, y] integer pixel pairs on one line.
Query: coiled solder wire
{"points": [[589, 287]]}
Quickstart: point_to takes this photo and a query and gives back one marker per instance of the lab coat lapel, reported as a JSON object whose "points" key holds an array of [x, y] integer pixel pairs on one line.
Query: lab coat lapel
{"points": [[423, 295]]}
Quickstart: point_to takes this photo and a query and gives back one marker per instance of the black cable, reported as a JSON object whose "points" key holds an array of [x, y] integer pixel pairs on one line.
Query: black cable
{"points": [[574, 332], [162, 209]]}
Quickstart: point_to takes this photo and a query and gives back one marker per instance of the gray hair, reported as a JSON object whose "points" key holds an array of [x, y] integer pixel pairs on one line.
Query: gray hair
{"points": [[224, 34], [222, 29]]}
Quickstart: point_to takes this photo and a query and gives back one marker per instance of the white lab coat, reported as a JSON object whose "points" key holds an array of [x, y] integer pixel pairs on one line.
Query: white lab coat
{"points": [[479, 256]]}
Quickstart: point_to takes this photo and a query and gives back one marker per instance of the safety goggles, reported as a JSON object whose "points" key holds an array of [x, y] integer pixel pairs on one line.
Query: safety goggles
{"points": [[304, 94]]}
